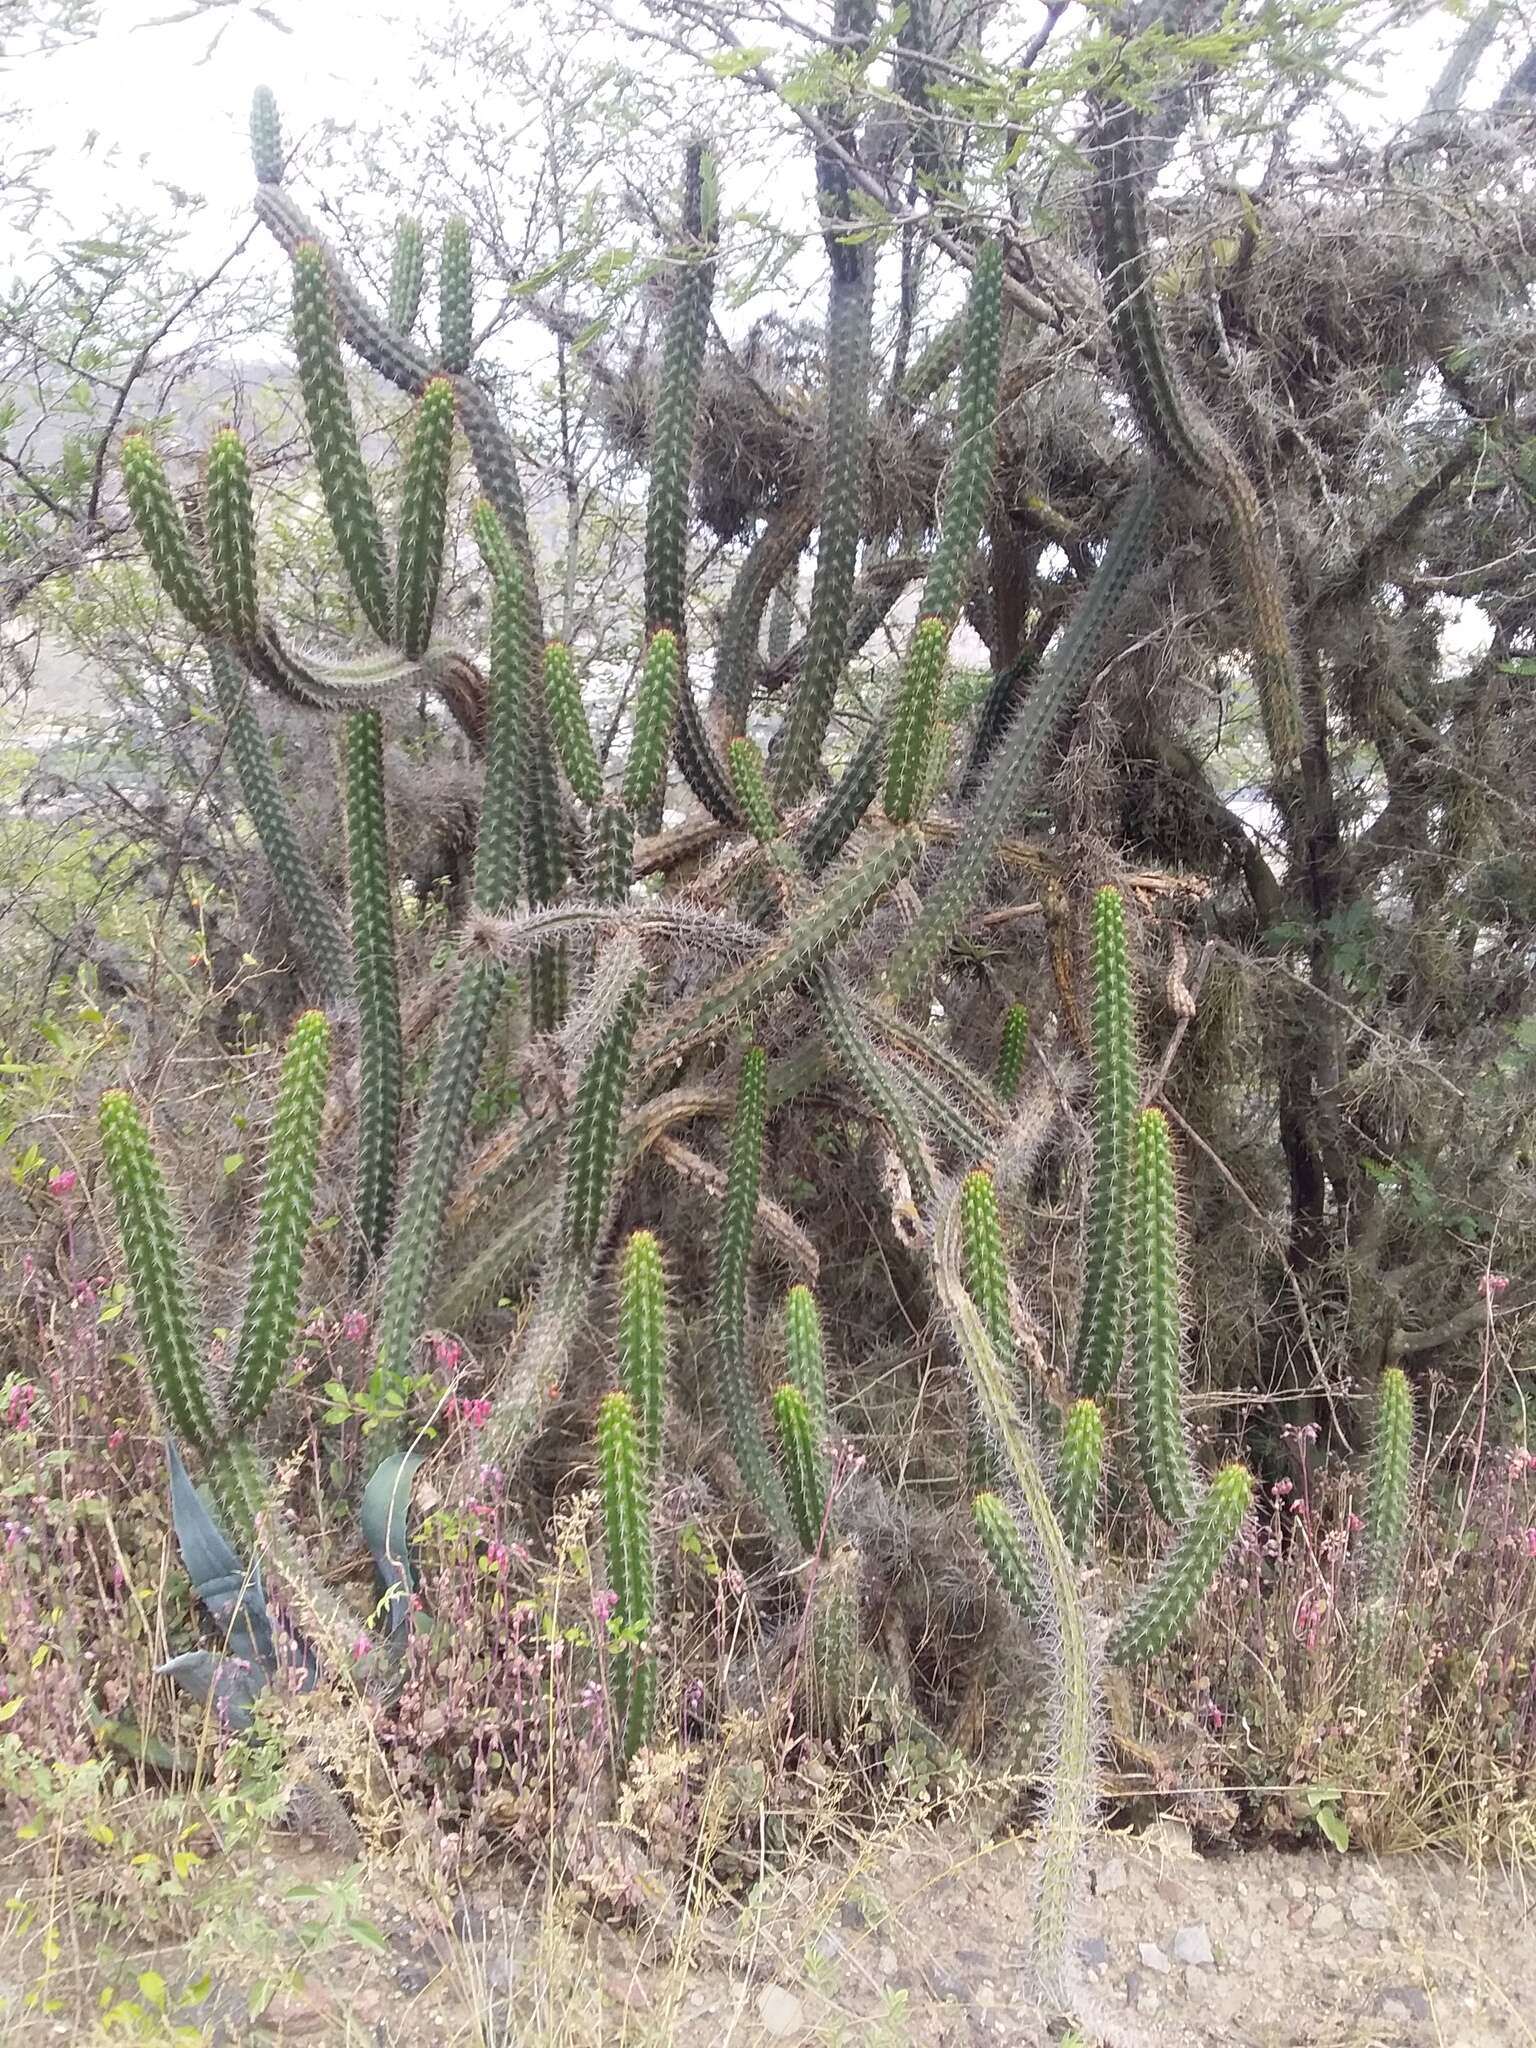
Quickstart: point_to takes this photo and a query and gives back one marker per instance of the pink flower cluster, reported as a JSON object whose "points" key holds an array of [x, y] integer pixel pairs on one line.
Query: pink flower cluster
{"points": [[474, 1414], [18, 1410]]}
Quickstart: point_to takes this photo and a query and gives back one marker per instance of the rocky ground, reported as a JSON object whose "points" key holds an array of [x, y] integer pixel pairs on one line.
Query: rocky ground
{"points": [[918, 1943]]}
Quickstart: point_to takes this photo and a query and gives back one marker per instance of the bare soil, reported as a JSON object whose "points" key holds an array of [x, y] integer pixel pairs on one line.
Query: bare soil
{"points": [[922, 1943]]}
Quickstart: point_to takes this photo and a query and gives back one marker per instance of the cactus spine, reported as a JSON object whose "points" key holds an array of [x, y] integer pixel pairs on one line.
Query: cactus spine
{"points": [[632, 1565], [1012, 1053], [1006, 1552], [568, 722], [456, 296], [232, 536], [751, 787], [805, 1468], [381, 1056], [315, 922], [1079, 1474], [594, 1128], [282, 1232], [1016, 762], [645, 772], [1184, 435], [1162, 1447], [1101, 1322], [916, 719], [1069, 1782], [733, 1258], [266, 137], [405, 275], [163, 535], [835, 1641], [643, 1340], [157, 1269], [1389, 1485], [344, 481], [672, 436], [850, 309], [804, 1356], [423, 517], [1187, 1573]]}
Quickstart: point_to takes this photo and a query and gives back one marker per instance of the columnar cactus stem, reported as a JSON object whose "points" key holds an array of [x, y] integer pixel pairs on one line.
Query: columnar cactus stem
{"points": [[1389, 1486], [1007, 1552], [1069, 1780], [1079, 1474], [270, 1315], [835, 1641], [970, 465], [594, 1128], [333, 437], [315, 923], [496, 856], [673, 426], [1101, 1322], [423, 517], [456, 296], [1187, 1573], [157, 1270], [1016, 762], [1183, 434], [232, 536], [612, 854], [568, 723], [1162, 1446], [738, 1396], [645, 772], [643, 1340], [882, 1087], [849, 312], [266, 137], [381, 1056], [163, 535], [805, 1465], [1012, 1053], [751, 787], [820, 926], [912, 730], [405, 275], [766, 573], [631, 1563], [804, 1356]]}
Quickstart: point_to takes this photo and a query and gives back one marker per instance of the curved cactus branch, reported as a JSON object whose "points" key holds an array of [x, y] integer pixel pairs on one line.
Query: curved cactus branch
{"points": [[1100, 1341]]}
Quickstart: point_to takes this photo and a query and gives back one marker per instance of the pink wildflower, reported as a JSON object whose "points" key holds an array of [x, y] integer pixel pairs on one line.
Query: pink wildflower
{"points": [[446, 1353], [1530, 1542], [1492, 1285], [354, 1326], [63, 1181]]}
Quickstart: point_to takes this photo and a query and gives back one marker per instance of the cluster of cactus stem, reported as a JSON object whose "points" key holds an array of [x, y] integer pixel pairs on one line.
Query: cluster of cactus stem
{"points": [[561, 942]]}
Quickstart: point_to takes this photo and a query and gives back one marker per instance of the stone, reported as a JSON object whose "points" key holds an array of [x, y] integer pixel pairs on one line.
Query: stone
{"points": [[1402, 2002], [1168, 1837], [779, 2012], [1327, 1919], [889, 1961], [1372, 1914], [1193, 1945], [1112, 1877], [1295, 1889], [1094, 1952], [1152, 1958]]}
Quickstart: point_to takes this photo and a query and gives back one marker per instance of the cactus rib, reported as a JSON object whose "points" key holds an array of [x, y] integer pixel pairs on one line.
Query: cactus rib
{"points": [[271, 1310], [733, 1259], [157, 1270], [1101, 1321], [381, 1055], [1162, 1447]]}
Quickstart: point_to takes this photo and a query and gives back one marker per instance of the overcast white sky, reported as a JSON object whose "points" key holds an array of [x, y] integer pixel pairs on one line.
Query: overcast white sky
{"points": [[142, 105], [160, 115]]}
